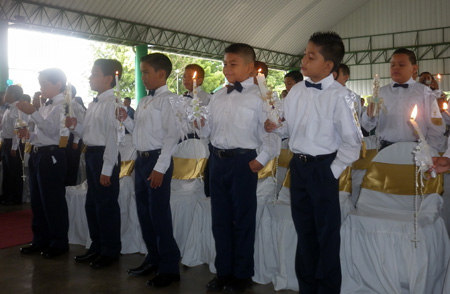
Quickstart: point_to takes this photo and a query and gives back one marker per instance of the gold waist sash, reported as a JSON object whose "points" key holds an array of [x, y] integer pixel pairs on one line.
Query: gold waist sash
{"points": [[188, 168], [126, 168]]}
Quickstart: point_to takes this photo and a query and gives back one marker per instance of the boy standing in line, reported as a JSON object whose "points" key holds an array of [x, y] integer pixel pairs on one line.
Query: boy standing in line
{"points": [[324, 139]]}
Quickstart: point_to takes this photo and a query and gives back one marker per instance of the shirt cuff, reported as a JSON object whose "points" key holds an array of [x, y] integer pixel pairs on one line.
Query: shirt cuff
{"points": [[337, 169], [263, 158], [107, 170], [161, 168]]}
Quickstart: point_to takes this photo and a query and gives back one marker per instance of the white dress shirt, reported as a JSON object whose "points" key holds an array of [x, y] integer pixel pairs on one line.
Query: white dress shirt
{"points": [[395, 126], [79, 113], [100, 129], [237, 121], [321, 122], [8, 122], [154, 126], [48, 123]]}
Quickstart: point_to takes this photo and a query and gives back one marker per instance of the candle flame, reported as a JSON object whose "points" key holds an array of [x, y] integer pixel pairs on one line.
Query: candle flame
{"points": [[195, 74], [117, 73], [414, 112], [438, 76], [259, 70], [445, 106]]}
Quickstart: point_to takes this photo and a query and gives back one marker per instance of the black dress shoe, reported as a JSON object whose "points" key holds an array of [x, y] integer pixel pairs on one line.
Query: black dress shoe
{"points": [[143, 270], [163, 280], [103, 261], [237, 285], [218, 283], [54, 252], [32, 249], [88, 256]]}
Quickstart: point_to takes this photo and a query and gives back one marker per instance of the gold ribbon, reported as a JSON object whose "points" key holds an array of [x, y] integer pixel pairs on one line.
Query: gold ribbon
{"points": [[268, 170], [126, 168], [188, 168], [398, 179], [345, 180], [284, 158], [287, 179], [364, 162], [27, 147], [63, 140]]}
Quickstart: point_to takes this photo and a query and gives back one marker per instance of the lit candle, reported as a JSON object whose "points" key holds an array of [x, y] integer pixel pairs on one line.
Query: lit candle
{"points": [[117, 86], [439, 81], [69, 99], [415, 125], [262, 83], [40, 101], [445, 106], [194, 85]]}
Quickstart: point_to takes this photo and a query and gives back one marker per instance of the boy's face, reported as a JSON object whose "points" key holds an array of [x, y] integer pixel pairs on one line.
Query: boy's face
{"points": [[151, 78], [401, 68], [289, 83], [236, 68], [99, 82], [314, 65], [425, 79], [187, 79], [342, 78], [49, 90]]}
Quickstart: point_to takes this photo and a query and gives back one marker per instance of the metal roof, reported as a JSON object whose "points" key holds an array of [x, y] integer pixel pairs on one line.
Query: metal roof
{"points": [[279, 29]]}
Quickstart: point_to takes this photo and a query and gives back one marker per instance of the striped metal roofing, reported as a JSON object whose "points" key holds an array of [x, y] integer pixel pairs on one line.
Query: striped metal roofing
{"points": [[276, 25]]}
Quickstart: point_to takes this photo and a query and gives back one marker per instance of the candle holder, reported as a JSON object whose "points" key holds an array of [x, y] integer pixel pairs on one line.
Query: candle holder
{"points": [[273, 104], [375, 102], [18, 125]]}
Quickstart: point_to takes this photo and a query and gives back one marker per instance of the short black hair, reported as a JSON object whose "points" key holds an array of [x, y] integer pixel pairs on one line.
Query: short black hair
{"points": [[109, 67], [16, 91], [411, 55], [200, 71], [344, 68], [295, 75], [54, 75], [245, 50], [159, 62], [330, 46], [26, 97], [426, 73], [127, 98]]}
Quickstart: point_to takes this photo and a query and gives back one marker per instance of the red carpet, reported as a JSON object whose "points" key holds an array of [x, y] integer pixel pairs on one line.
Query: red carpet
{"points": [[15, 228]]}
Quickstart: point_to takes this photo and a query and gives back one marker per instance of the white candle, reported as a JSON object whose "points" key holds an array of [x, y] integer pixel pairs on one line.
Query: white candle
{"points": [[194, 85], [69, 99], [262, 83], [415, 125], [117, 86], [439, 81]]}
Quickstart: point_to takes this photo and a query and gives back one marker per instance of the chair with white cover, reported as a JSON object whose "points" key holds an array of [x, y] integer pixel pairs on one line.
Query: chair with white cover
{"points": [[187, 187], [379, 252]]}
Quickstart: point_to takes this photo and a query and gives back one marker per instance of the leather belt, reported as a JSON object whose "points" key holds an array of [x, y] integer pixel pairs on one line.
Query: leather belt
{"points": [[149, 153], [310, 158], [95, 148], [48, 148], [225, 153]]}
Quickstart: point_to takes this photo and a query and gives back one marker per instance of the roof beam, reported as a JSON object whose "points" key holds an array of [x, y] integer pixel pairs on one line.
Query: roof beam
{"points": [[47, 18]]}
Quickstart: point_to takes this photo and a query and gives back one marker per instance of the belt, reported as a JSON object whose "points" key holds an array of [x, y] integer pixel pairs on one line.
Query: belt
{"points": [[48, 148], [310, 158], [95, 148], [224, 153], [149, 153], [192, 136]]}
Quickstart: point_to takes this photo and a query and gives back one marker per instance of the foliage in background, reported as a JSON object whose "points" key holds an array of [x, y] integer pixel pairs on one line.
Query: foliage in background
{"points": [[214, 77]]}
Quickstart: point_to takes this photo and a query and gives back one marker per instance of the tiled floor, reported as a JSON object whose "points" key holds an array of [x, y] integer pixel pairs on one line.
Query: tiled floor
{"points": [[34, 274]]}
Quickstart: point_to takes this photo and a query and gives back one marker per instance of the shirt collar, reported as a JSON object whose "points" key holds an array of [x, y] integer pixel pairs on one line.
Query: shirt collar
{"points": [[161, 90], [58, 99], [105, 95], [409, 82], [326, 82], [247, 83]]}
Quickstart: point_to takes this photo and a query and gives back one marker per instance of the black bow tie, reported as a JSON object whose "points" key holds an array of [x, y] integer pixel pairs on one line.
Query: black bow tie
{"points": [[95, 99], [151, 92], [311, 85], [50, 101], [237, 86], [187, 95], [405, 86]]}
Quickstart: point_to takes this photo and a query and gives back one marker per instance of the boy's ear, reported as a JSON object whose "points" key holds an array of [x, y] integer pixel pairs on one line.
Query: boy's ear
{"points": [[329, 66], [110, 79], [161, 74], [415, 68], [250, 67]]}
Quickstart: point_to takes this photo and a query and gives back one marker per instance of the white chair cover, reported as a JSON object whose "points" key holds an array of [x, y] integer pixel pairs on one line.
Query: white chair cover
{"points": [[377, 252], [186, 193]]}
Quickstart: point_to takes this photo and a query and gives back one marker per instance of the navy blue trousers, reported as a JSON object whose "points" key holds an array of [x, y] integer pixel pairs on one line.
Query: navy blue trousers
{"points": [[12, 172], [233, 211], [102, 207], [155, 216], [73, 161], [317, 219], [50, 222]]}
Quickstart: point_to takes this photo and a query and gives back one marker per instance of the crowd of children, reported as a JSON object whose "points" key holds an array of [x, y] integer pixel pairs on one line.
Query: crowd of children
{"points": [[318, 117]]}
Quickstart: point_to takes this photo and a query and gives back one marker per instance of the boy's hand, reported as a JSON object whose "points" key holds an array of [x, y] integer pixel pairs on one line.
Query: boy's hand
{"points": [[13, 153], [25, 107], [156, 179], [121, 114], [270, 126], [71, 122], [202, 123], [105, 181], [23, 133], [255, 166], [370, 110], [74, 146], [441, 164]]}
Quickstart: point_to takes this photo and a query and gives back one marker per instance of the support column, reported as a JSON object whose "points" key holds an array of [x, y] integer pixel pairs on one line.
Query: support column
{"points": [[141, 50], [4, 68]]}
